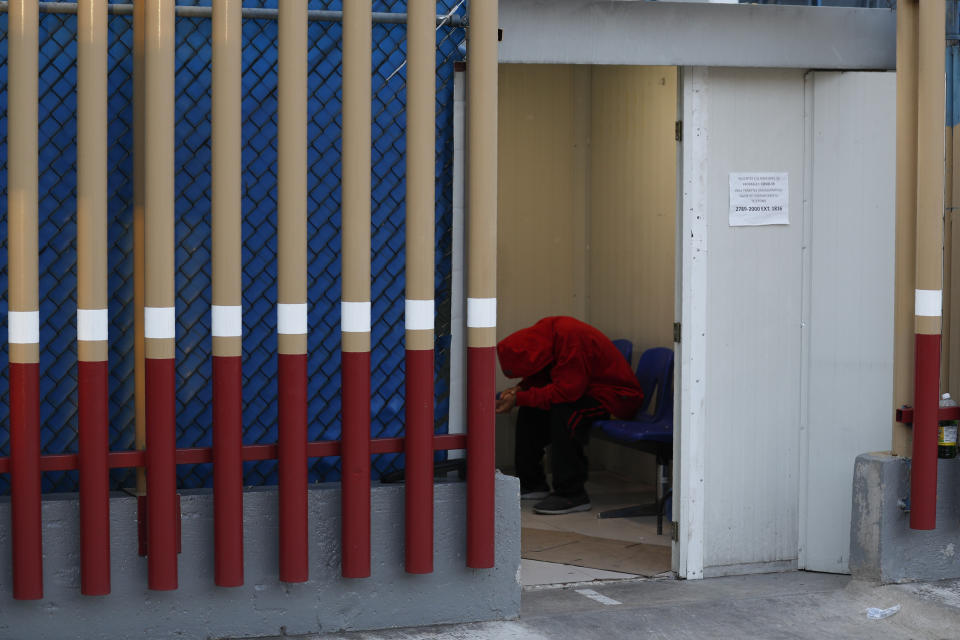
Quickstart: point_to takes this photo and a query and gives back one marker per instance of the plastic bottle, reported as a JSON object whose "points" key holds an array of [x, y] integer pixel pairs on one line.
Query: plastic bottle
{"points": [[947, 437]]}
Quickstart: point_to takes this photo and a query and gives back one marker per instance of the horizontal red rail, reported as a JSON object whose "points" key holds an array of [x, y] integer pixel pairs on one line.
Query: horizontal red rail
{"points": [[200, 455], [905, 415]]}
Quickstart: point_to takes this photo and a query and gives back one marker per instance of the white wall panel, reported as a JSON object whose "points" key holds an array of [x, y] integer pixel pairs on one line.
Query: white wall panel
{"points": [[753, 314], [798, 326], [850, 366]]}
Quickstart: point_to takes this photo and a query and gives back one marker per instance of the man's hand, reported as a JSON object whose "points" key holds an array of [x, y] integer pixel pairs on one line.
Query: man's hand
{"points": [[507, 400], [505, 403]]}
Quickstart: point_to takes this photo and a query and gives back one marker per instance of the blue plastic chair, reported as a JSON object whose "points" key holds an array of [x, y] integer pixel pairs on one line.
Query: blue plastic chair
{"points": [[648, 431], [625, 347]]}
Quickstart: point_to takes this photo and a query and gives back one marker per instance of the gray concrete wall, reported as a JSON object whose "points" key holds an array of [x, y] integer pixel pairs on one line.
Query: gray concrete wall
{"points": [[264, 606], [882, 545]]}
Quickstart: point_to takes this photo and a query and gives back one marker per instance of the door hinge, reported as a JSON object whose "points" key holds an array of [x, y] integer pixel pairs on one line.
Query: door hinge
{"points": [[678, 130], [676, 332], [675, 533]]}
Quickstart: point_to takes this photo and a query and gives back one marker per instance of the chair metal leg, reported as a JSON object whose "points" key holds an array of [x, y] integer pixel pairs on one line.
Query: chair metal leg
{"points": [[662, 511], [657, 508]]}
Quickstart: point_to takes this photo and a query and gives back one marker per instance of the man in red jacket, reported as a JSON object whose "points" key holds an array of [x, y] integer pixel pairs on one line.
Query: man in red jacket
{"points": [[572, 375]]}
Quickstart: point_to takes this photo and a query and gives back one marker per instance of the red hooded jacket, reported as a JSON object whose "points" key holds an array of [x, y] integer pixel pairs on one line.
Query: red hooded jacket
{"points": [[562, 359]]}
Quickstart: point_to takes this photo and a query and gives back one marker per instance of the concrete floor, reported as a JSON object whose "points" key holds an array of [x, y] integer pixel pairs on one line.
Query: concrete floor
{"points": [[535, 573], [793, 606], [607, 491], [579, 603], [562, 601]]}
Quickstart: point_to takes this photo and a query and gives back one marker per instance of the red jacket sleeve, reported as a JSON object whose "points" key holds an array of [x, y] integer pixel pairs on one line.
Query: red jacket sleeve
{"points": [[569, 379]]}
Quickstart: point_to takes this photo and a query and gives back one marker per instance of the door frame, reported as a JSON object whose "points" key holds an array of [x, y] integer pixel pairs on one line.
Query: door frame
{"points": [[690, 371]]}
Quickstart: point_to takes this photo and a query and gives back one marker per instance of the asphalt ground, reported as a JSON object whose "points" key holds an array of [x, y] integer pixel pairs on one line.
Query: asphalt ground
{"points": [[794, 605]]}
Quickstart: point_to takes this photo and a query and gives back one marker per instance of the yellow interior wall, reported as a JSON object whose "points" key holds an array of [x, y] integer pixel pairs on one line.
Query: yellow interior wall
{"points": [[541, 261], [633, 204], [587, 193]]}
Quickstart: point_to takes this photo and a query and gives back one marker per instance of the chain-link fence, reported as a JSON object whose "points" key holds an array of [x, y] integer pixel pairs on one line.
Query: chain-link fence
{"points": [[57, 145]]}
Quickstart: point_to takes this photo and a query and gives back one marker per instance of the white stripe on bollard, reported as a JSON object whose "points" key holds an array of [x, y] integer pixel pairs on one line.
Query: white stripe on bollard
{"points": [[92, 324], [355, 317], [928, 303], [23, 327], [226, 320], [292, 318], [418, 315], [159, 322], [481, 313]]}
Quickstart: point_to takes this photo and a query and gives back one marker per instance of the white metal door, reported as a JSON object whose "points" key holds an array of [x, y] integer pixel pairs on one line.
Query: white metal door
{"points": [[848, 316], [764, 464]]}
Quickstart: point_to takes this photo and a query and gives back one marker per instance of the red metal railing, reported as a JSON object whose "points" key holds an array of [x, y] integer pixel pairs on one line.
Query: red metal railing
{"points": [[96, 565], [905, 415], [202, 455]]}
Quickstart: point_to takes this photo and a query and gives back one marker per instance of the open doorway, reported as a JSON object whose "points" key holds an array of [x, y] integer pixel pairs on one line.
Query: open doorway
{"points": [[587, 218]]}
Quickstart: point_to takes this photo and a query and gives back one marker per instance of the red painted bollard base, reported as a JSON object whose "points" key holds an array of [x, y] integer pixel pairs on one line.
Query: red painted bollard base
{"points": [[418, 475], [923, 465], [355, 465], [227, 471], [162, 510], [94, 428], [26, 524], [292, 466], [142, 525], [481, 464]]}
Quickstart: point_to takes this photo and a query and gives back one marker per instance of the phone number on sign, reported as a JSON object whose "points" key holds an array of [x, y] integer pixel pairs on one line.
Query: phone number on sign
{"points": [[758, 209]]}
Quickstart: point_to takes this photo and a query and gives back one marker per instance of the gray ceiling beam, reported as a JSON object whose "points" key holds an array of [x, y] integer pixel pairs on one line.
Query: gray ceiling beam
{"points": [[637, 32]]}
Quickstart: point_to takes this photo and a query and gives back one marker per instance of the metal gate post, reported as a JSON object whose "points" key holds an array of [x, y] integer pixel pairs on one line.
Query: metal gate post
{"points": [[292, 288], [92, 316], [23, 317], [159, 297], [929, 295], [226, 312], [482, 40], [355, 275], [419, 298]]}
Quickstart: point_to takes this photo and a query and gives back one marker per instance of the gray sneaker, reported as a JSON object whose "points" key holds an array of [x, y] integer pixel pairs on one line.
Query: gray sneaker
{"points": [[555, 505]]}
